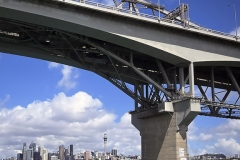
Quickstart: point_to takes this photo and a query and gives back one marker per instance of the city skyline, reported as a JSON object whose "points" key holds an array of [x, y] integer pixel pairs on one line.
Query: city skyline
{"points": [[61, 150], [62, 154], [55, 104], [67, 154]]}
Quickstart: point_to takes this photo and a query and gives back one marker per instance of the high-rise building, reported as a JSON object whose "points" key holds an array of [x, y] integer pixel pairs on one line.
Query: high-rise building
{"points": [[96, 154], [114, 152], [40, 150], [36, 156], [24, 151], [54, 157], [19, 156], [33, 146], [29, 154], [61, 152], [66, 153], [71, 150], [49, 155], [87, 155], [45, 154]]}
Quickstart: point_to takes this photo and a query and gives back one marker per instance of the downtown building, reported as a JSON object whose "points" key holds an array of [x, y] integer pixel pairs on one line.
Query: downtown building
{"points": [[32, 153]]}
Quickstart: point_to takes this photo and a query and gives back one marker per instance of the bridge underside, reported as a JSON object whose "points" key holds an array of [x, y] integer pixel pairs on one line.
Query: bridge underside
{"points": [[169, 78], [149, 81]]}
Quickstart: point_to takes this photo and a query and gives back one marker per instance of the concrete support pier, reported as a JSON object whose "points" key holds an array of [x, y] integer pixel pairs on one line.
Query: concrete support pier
{"points": [[163, 130], [160, 141]]}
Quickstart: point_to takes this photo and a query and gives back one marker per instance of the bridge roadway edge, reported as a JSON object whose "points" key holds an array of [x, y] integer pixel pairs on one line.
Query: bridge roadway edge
{"points": [[44, 19], [164, 51]]}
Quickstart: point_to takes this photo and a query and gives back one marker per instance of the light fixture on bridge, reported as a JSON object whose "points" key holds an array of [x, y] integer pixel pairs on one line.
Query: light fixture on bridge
{"points": [[47, 41], [83, 46]]}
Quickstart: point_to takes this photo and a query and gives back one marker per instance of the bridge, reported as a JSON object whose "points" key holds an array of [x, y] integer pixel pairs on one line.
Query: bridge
{"points": [[172, 68]]}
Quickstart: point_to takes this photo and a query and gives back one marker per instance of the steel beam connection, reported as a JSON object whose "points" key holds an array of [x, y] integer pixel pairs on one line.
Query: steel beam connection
{"points": [[147, 80]]}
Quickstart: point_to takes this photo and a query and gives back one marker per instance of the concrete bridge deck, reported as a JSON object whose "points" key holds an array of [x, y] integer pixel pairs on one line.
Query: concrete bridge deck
{"points": [[166, 41]]}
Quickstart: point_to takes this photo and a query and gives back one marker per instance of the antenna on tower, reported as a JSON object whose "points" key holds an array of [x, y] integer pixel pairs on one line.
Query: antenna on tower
{"points": [[105, 143]]}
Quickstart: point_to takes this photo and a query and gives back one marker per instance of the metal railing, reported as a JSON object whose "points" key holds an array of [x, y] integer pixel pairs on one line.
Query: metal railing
{"points": [[100, 5]]}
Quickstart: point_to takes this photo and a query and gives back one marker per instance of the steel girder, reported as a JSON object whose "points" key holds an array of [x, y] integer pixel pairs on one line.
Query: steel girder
{"points": [[179, 14], [147, 80]]}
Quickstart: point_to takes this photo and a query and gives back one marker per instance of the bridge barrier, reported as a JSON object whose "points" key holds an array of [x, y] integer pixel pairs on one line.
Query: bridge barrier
{"points": [[100, 5]]}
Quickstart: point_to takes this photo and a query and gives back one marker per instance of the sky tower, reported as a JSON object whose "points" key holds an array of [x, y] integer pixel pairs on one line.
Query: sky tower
{"points": [[105, 143]]}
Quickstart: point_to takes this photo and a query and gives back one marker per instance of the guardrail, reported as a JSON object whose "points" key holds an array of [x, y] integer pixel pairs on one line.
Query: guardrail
{"points": [[100, 5]]}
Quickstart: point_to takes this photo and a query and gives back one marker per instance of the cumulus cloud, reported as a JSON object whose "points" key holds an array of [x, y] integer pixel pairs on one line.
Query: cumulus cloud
{"points": [[193, 136], [205, 137], [53, 65], [230, 128], [197, 151], [220, 139], [227, 134], [192, 128], [67, 80], [69, 75], [78, 119], [228, 146]]}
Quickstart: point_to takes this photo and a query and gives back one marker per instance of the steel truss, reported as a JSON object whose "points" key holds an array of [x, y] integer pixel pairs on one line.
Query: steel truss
{"points": [[149, 81], [179, 14]]}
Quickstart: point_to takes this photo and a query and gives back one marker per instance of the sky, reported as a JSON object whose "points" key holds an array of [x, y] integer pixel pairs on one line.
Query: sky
{"points": [[54, 104]]}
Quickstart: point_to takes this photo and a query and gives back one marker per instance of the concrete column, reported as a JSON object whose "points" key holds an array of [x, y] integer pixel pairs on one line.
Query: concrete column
{"points": [[191, 79], [163, 130], [160, 140], [181, 80]]}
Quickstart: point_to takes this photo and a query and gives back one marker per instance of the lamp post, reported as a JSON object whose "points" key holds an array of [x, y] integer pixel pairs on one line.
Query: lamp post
{"points": [[235, 15], [159, 9]]}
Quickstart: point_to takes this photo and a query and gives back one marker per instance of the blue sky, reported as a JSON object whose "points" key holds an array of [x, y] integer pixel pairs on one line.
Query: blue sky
{"points": [[30, 83], [28, 79]]}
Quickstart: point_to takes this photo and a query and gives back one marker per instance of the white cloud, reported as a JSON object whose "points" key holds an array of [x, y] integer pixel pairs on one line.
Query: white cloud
{"points": [[78, 119], [205, 137], [53, 65], [227, 146], [67, 80], [198, 152], [192, 128], [69, 75], [228, 128], [231, 133], [192, 136], [215, 139]]}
